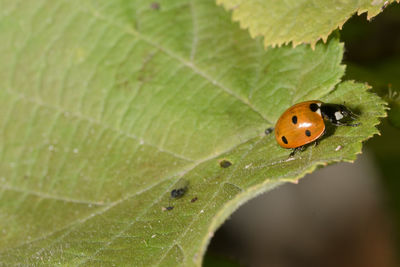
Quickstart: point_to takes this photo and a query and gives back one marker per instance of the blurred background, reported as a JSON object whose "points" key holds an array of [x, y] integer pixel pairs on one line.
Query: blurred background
{"points": [[344, 214]]}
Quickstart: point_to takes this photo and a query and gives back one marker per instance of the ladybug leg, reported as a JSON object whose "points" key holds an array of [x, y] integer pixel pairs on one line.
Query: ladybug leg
{"points": [[316, 143], [294, 150], [319, 138]]}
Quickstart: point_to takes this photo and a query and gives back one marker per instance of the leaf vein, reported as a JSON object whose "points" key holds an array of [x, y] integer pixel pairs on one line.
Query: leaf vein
{"points": [[183, 61], [94, 121], [44, 195]]}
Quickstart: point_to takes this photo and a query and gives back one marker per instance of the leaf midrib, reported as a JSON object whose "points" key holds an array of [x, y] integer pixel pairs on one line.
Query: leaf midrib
{"points": [[189, 64]]}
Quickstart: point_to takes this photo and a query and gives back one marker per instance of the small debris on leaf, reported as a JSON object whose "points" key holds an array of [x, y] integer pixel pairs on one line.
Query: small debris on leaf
{"points": [[248, 166], [180, 189], [269, 130], [155, 6], [178, 193], [225, 163]]}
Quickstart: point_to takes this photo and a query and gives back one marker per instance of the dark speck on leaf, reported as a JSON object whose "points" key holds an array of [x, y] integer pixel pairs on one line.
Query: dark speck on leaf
{"points": [[194, 199], [225, 163], [155, 6], [177, 193], [170, 207], [269, 130]]}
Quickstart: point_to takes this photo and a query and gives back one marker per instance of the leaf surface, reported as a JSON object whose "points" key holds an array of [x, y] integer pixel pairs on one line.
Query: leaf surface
{"points": [[304, 21], [107, 105]]}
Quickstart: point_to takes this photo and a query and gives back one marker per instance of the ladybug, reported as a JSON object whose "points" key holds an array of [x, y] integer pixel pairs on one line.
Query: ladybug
{"points": [[304, 123]]}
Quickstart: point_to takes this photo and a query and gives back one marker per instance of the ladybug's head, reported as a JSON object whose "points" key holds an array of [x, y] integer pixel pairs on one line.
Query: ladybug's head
{"points": [[337, 114], [345, 113]]}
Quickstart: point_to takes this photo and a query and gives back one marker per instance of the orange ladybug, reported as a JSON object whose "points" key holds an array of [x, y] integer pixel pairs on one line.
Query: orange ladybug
{"points": [[304, 123]]}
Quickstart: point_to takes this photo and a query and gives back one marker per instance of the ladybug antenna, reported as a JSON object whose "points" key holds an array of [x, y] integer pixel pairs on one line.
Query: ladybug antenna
{"points": [[353, 115]]}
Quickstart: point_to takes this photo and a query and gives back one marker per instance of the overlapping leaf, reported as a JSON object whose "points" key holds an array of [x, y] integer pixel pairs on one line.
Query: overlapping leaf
{"points": [[106, 105], [304, 21]]}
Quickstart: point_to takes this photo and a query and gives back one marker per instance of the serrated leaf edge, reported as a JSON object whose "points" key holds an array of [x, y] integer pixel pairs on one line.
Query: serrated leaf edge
{"points": [[323, 37]]}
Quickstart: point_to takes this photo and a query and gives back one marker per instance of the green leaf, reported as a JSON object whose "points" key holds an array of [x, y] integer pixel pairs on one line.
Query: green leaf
{"points": [[106, 105], [304, 21]]}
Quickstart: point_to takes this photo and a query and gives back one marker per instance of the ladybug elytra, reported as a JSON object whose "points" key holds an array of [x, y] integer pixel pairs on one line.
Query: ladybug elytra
{"points": [[304, 123]]}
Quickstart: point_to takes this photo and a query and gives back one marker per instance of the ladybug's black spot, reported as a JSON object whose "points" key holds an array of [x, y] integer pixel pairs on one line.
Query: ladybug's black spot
{"points": [[294, 119], [225, 163], [308, 133], [284, 139], [314, 107]]}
